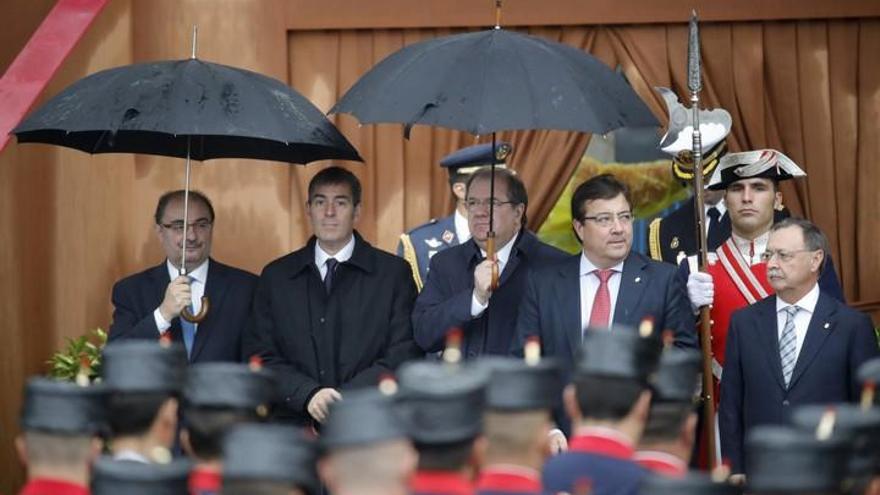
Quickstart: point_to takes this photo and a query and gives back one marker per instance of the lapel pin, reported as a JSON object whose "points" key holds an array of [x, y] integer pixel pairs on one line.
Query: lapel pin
{"points": [[638, 279], [827, 325]]}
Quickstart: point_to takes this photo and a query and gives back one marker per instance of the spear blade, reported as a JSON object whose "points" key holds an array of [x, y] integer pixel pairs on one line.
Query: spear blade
{"points": [[695, 82]]}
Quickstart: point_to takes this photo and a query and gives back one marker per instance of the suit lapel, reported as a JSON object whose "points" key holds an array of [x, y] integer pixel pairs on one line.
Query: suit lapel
{"points": [[768, 333], [215, 289], [817, 332], [569, 297], [632, 287]]}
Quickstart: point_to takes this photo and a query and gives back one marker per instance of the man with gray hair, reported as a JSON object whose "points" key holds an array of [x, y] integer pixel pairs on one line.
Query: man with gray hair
{"points": [[799, 346]]}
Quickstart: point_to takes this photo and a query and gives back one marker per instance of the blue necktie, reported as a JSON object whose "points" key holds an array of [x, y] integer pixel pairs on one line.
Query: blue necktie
{"points": [[189, 332]]}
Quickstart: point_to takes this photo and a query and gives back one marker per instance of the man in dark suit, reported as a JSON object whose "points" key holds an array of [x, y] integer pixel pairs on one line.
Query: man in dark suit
{"points": [[334, 314], [799, 346], [148, 304], [458, 290], [606, 284]]}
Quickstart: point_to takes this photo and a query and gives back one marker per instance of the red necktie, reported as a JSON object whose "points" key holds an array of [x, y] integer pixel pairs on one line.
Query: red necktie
{"points": [[599, 316]]}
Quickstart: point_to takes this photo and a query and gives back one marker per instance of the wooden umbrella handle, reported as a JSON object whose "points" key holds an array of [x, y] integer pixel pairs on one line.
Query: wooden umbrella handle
{"points": [[197, 318]]}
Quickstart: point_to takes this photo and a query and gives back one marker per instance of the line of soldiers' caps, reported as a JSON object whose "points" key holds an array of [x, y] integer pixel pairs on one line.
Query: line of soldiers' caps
{"points": [[271, 452], [111, 477], [623, 352], [783, 459], [65, 408], [442, 403], [362, 418], [694, 483], [230, 386], [677, 376], [144, 366], [858, 426]]}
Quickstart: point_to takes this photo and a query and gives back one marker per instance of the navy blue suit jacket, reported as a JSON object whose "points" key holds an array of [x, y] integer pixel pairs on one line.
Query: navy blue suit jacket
{"points": [[218, 338], [445, 301], [838, 340], [551, 308]]}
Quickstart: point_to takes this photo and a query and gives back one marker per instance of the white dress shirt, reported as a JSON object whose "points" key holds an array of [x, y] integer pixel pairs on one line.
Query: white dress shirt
{"points": [[341, 256], [756, 247], [198, 278], [502, 255], [807, 305], [590, 285], [462, 229]]}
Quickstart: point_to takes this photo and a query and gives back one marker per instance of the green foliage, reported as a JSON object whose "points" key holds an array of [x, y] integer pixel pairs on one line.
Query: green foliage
{"points": [[67, 363]]}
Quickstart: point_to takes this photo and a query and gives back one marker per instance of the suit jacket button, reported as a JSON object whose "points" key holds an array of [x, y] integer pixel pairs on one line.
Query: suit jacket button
{"points": [[785, 403], [322, 319]]}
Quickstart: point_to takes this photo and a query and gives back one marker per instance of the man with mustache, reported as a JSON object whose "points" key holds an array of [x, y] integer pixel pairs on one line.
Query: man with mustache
{"points": [[799, 346], [458, 292], [335, 314], [148, 304]]}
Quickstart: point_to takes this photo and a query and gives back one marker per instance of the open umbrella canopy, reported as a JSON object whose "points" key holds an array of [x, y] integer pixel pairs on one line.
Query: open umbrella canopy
{"points": [[187, 107], [495, 80]]}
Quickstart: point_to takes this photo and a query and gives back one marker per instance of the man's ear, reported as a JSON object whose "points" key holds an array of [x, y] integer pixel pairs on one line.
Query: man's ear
{"points": [[642, 407], [186, 444], [688, 430], [21, 449], [326, 471], [816, 261], [459, 190], [569, 400], [478, 453], [777, 202]]}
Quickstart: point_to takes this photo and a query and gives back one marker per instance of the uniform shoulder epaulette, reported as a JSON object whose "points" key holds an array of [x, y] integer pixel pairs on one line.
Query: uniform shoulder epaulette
{"points": [[654, 239], [409, 254]]}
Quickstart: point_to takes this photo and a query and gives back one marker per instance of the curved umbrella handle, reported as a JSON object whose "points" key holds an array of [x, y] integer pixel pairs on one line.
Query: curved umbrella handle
{"points": [[197, 318]]}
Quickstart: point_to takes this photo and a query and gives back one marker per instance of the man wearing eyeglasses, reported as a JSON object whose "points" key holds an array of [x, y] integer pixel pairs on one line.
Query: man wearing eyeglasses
{"points": [[458, 292], [148, 304], [606, 284], [799, 346]]}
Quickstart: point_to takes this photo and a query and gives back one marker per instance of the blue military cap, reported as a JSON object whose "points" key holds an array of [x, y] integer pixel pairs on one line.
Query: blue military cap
{"points": [[229, 386], [144, 366], [468, 160], [677, 377], [112, 477], [362, 418], [271, 452], [515, 385], [621, 351], [62, 407]]}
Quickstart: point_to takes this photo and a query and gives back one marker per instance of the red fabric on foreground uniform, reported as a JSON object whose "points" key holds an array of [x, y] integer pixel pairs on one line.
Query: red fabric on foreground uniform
{"points": [[508, 479], [204, 482], [440, 483], [52, 487], [661, 463]]}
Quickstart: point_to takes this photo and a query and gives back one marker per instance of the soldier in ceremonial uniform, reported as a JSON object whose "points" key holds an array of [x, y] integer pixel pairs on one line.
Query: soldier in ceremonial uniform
{"points": [[365, 446], [666, 445], [269, 459], [216, 397], [60, 424], [782, 460], [608, 402], [442, 406], [117, 477], [421, 243], [520, 398], [144, 379]]}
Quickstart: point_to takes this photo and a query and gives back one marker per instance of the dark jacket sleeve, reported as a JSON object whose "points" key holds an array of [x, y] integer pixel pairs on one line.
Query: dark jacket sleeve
{"points": [[400, 346], [678, 316], [528, 321], [863, 347], [295, 387], [127, 320], [730, 418], [438, 308]]}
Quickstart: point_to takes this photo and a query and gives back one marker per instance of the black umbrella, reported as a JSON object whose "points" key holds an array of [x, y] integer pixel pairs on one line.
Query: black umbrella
{"points": [[494, 80], [188, 109]]}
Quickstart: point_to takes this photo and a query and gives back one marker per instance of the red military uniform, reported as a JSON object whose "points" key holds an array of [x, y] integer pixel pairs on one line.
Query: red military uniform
{"points": [[204, 481], [52, 487], [508, 479], [661, 463], [440, 483]]}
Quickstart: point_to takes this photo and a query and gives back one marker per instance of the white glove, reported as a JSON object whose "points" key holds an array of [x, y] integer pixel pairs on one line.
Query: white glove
{"points": [[701, 290]]}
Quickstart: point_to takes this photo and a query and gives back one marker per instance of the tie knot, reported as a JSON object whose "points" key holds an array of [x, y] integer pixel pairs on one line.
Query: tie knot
{"points": [[791, 311], [604, 275], [714, 214], [331, 264]]}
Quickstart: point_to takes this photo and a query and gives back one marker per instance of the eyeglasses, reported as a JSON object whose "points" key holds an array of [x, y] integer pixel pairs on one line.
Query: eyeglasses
{"points": [[197, 226], [784, 256], [607, 219], [474, 203]]}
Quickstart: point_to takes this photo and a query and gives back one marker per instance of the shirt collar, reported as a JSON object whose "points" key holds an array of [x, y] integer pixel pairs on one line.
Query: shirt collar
{"points": [[587, 266], [602, 441], [448, 482], [130, 455], [462, 229], [806, 303], [509, 478], [201, 480], [720, 206], [661, 463], [199, 274], [745, 246], [41, 486], [503, 254], [341, 256]]}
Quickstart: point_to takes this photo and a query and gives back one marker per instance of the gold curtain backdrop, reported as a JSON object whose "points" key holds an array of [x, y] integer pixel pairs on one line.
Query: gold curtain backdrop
{"points": [[74, 223]]}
